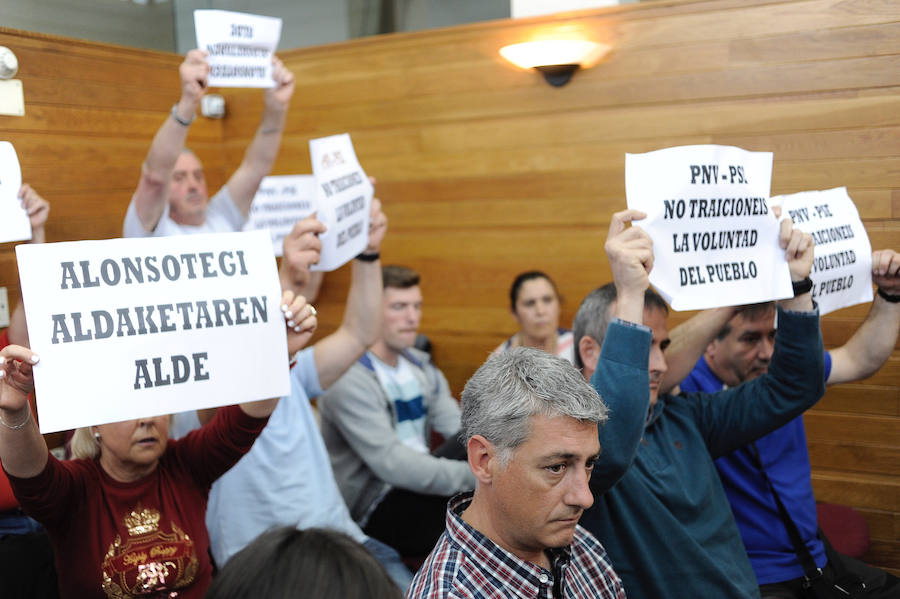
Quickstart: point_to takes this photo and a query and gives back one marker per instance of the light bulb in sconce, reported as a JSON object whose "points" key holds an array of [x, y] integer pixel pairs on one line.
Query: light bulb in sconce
{"points": [[557, 60], [9, 64]]}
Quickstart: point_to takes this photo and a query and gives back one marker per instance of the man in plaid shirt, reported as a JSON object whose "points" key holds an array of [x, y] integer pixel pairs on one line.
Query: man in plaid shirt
{"points": [[530, 423]]}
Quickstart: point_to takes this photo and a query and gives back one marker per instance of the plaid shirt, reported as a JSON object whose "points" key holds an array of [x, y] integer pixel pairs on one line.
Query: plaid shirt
{"points": [[465, 563]]}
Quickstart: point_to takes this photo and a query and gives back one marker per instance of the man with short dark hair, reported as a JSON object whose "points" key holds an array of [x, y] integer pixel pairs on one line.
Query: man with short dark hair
{"points": [[660, 508], [530, 423], [377, 421]]}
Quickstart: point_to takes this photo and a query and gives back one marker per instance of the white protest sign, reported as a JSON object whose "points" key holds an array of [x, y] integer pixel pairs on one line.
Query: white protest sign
{"points": [[842, 266], [279, 203], [343, 198], [240, 47], [715, 242], [14, 224], [132, 328]]}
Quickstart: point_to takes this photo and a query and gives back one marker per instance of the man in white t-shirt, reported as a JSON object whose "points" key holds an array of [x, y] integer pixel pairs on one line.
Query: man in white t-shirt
{"points": [[377, 421], [171, 197]]}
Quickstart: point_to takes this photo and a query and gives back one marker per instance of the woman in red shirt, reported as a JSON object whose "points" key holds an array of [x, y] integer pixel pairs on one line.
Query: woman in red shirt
{"points": [[130, 522]]}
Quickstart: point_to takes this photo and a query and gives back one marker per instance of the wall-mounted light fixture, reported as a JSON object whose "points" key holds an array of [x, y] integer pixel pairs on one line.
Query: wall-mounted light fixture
{"points": [[557, 60]]}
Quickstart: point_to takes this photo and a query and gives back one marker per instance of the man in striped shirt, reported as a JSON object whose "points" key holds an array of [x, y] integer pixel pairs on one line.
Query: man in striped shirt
{"points": [[531, 427]]}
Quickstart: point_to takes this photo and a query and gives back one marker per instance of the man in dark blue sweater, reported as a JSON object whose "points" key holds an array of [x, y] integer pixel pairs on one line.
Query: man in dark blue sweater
{"points": [[660, 510]]}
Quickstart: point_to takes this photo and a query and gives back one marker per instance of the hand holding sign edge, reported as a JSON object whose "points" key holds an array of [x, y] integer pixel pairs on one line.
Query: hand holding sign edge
{"points": [[16, 378], [799, 252], [301, 320], [630, 254]]}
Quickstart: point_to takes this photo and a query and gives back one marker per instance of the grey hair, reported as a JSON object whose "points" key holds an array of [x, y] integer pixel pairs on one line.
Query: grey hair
{"points": [[512, 386], [594, 315], [84, 445]]}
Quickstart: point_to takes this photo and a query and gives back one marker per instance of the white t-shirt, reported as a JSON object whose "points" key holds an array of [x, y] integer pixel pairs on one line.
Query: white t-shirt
{"points": [[222, 216]]}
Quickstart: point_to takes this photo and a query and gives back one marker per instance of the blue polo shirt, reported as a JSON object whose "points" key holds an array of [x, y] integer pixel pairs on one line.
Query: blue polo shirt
{"points": [[785, 457]]}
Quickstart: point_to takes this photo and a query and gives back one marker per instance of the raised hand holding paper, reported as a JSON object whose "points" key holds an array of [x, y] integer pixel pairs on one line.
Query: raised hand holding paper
{"points": [[715, 241], [343, 197], [280, 202], [131, 328], [842, 266], [14, 225], [239, 47]]}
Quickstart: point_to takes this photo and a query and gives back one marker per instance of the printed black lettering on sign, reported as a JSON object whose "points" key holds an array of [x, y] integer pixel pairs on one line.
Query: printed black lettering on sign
{"points": [[153, 319]]}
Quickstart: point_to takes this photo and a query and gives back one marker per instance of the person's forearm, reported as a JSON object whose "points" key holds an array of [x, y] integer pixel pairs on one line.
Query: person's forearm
{"points": [[258, 159], [152, 193], [22, 450], [359, 328], [169, 141], [18, 330], [688, 341], [623, 382], [263, 150], [260, 409], [362, 313], [38, 235], [800, 303], [870, 345]]}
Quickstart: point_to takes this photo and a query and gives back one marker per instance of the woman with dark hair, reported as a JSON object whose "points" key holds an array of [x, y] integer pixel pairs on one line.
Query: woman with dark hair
{"points": [[317, 563], [534, 303]]}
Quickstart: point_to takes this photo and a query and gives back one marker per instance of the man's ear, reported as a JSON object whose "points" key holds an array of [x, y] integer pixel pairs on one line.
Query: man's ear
{"points": [[482, 455], [710, 352], [589, 351]]}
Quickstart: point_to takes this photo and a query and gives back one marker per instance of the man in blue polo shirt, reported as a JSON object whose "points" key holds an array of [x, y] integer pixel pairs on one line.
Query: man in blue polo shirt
{"points": [[742, 351]]}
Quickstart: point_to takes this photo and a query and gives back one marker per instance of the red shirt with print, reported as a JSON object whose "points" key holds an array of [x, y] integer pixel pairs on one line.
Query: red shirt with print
{"points": [[139, 539]]}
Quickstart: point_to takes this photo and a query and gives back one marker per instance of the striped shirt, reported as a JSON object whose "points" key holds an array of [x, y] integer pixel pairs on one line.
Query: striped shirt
{"points": [[466, 564]]}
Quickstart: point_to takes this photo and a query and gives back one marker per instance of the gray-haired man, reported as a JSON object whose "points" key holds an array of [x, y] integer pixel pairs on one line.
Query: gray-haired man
{"points": [[530, 422]]}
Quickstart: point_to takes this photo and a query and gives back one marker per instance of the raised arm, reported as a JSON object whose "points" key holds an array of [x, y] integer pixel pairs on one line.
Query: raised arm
{"points": [[794, 381], [872, 343], [621, 376], [38, 210], [152, 192], [630, 253], [22, 448], [798, 251], [362, 315], [262, 151], [302, 249]]}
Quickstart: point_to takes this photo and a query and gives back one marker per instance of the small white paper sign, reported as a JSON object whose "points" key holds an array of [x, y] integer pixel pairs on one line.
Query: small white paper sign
{"points": [[715, 242], [279, 203], [842, 267], [343, 198], [240, 47], [14, 223], [132, 328]]}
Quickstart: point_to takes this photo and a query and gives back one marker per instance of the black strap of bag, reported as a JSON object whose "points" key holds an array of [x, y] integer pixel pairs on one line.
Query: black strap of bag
{"points": [[813, 577]]}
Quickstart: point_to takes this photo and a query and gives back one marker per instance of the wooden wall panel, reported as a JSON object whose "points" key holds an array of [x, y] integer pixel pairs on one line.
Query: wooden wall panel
{"points": [[485, 170]]}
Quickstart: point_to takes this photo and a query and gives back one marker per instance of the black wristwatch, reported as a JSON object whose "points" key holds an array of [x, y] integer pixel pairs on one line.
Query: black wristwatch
{"points": [[802, 286], [894, 299]]}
